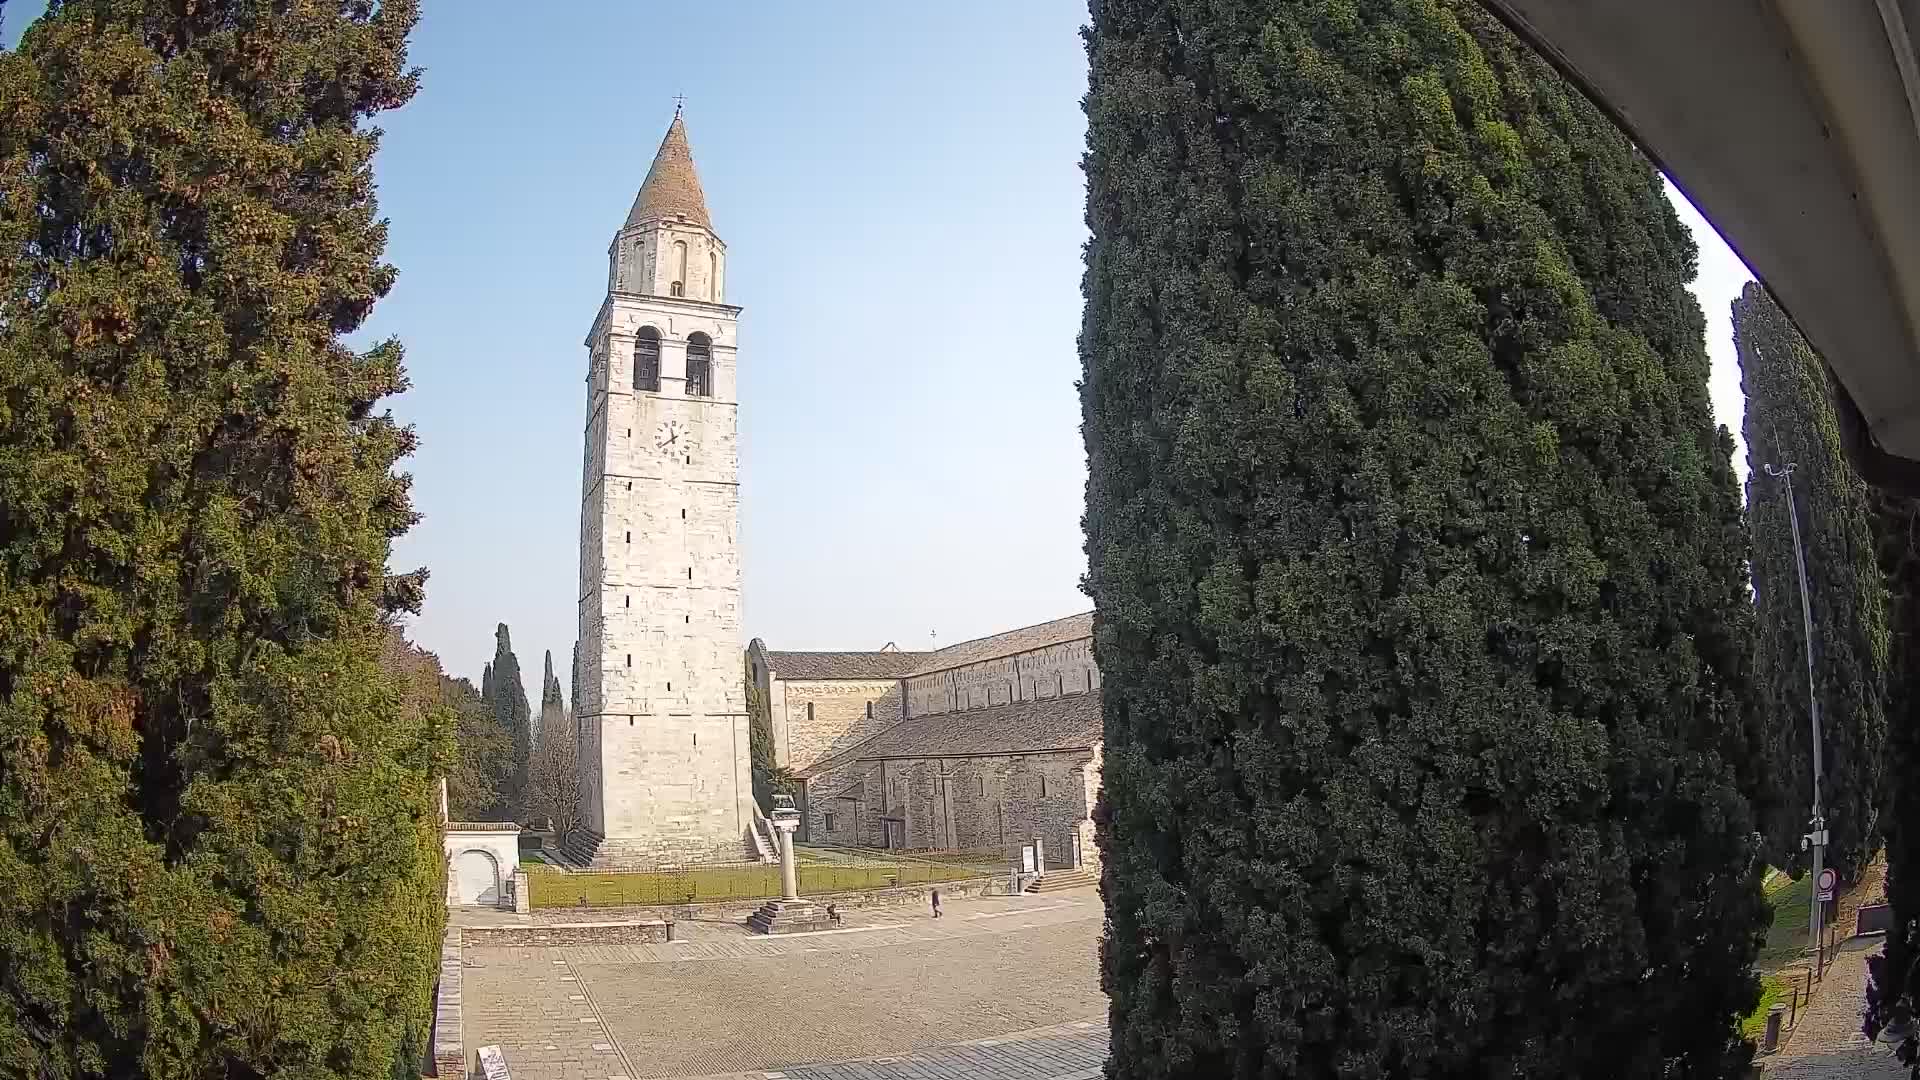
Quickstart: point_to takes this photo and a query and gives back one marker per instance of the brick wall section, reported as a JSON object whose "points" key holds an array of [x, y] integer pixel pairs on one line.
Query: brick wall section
{"points": [[987, 802], [844, 714]]}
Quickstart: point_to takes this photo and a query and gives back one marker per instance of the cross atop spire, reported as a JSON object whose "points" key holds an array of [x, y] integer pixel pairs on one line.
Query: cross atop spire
{"points": [[679, 102], [672, 188]]}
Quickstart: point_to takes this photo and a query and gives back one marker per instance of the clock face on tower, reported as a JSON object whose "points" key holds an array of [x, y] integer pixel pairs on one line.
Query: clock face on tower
{"points": [[669, 437]]}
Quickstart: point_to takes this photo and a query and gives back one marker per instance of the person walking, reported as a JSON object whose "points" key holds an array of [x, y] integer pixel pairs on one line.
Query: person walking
{"points": [[936, 903]]}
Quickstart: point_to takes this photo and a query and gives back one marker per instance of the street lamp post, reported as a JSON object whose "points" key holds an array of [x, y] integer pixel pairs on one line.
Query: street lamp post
{"points": [[1815, 840]]}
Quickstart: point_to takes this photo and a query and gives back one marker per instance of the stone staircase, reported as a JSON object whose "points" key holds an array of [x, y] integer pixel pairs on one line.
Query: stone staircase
{"points": [[761, 842], [1058, 880], [580, 850]]}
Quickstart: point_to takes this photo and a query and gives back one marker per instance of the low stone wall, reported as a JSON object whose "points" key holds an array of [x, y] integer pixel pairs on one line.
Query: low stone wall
{"points": [[613, 932], [449, 1041]]}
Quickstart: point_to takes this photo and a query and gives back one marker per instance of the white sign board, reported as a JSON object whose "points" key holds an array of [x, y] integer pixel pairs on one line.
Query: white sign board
{"points": [[1026, 859], [493, 1065], [1825, 886]]}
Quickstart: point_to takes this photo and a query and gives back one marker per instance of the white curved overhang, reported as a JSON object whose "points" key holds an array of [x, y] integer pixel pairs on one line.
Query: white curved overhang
{"points": [[1794, 127]]}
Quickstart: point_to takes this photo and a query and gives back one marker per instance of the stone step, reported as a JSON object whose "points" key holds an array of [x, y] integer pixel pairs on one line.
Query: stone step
{"points": [[581, 849], [1056, 880], [787, 917]]}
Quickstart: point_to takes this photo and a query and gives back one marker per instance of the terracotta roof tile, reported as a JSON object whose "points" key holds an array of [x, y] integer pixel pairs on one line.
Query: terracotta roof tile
{"points": [[1062, 723], [1025, 639], [672, 188], [794, 666]]}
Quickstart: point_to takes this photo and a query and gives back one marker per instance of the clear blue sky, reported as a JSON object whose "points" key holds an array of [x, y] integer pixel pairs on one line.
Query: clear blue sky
{"points": [[899, 189]]}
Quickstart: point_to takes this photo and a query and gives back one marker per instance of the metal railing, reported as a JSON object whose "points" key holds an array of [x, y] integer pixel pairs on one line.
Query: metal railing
{"points": [[733, 881]]}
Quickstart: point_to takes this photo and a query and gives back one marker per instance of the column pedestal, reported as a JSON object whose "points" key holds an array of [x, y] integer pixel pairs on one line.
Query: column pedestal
{"points": [[789, 914], [788, 917]]}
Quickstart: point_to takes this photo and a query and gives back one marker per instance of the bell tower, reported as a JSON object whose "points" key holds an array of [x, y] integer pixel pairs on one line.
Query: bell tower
{"points": [[662, 720]]}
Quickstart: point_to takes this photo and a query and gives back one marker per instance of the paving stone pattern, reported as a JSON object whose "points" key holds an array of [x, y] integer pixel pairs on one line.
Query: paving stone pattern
{"points": [[890, 984], [1827, 1044], [1068, 1052]]}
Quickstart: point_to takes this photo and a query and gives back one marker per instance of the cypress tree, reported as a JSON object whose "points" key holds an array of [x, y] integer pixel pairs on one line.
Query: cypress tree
{"points": [[1893, 974], [1422, 618], [219, 846], [553, 707], [510, 708], [1790, 419], [573, 684]]}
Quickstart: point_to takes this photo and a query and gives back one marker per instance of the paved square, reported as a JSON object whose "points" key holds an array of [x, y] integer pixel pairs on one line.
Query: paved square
{"points": [[894, 985]]}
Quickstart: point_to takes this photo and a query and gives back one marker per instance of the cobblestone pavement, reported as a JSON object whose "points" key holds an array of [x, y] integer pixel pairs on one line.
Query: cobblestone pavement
{"points": [[892, 983], [1066, 1052]]}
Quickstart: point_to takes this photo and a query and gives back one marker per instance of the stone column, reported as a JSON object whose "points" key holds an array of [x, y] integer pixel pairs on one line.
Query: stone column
{"points": [[789, 879], [789, 914]]}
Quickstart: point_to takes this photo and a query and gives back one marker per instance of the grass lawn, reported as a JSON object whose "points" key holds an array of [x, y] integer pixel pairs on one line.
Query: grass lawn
{"points": [[1772, 988], [548, 888], [1787, 937]]}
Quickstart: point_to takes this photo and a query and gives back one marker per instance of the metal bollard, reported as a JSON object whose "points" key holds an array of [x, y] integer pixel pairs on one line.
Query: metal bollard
{"points": [[1770, 1041]]}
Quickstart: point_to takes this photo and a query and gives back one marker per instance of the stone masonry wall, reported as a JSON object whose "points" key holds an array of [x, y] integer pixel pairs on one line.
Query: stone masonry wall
{"points": [[824, 718], [819, 801], [662, 709], [990, 802], [1030, 676]]}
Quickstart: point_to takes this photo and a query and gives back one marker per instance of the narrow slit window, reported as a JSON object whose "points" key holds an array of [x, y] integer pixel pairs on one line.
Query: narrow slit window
{"points": [[629, 659]]}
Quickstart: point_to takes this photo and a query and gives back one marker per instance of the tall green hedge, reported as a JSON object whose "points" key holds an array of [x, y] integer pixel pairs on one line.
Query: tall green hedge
{"points": [[1895, 974], [1418, 561], [219, 852], [1790, 420]]}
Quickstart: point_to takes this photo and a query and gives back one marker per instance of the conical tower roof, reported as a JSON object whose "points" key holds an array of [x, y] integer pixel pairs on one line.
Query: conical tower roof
{"points": [[672, 188]]}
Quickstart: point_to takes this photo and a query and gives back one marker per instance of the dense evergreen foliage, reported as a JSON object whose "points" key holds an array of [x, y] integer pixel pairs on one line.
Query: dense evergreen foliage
{"points": [[1895, 980], [219, 852], [1789, 419], [508, 696], [553, 707], [1422, 620], [483, 753], [573, 684]]}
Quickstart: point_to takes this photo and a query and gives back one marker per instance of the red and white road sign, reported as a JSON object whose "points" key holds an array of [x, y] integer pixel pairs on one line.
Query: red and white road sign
{"points": [[1825, 885]]}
